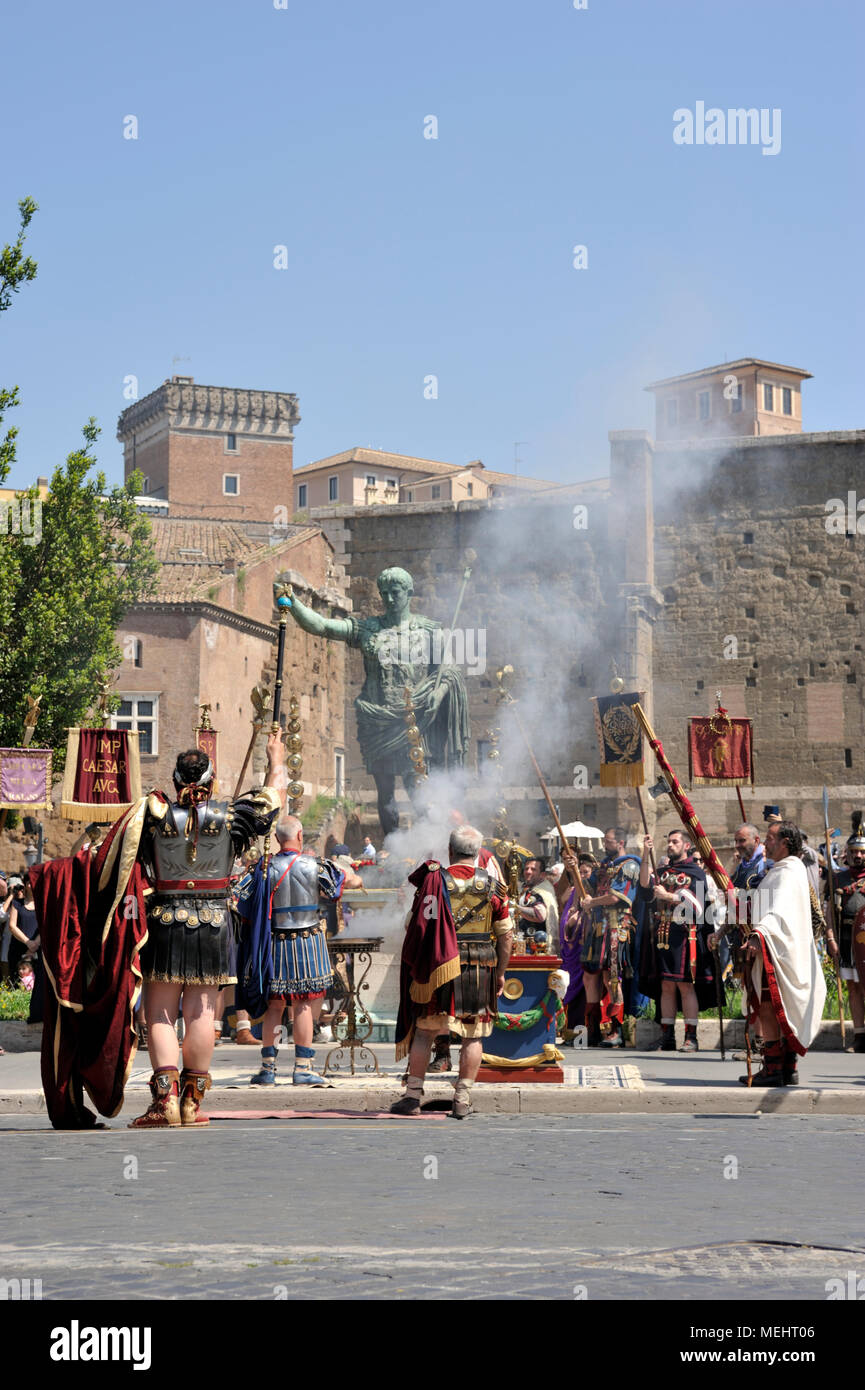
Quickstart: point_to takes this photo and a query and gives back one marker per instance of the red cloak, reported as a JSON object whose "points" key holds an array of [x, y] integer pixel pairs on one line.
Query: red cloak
{"points": [[92, 924], [430, 952]]}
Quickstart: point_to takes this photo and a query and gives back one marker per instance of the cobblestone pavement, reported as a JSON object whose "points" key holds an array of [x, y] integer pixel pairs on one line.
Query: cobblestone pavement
{"points": [[596, 1207]]}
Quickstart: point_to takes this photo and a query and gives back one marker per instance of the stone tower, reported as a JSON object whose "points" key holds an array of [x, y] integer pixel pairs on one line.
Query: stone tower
{"points": [[213, 451]]}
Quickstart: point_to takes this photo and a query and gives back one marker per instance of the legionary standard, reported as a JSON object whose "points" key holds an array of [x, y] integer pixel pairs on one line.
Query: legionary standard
{"points": [[849, 885], [608, 939]]}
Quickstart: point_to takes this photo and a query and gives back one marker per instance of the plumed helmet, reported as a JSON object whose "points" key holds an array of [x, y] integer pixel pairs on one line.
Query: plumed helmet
{"points": [[857, 839]]}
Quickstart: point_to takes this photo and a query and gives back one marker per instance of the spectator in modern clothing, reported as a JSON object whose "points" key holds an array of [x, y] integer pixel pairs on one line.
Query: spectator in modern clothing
{"points": [[22, 924], [5, 934], [369, 855]]}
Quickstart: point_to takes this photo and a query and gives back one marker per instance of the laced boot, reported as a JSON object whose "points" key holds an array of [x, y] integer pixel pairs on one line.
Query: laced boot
{"points": [[164, 1110], [772, 1071], [614, 1037], [193, 1087], [410, 1103], [859, 1039], [790, 1067], [593, 1025], [303, 1072], [668, 1035], [267, 1075], [462, 1105], [690, 1044]]}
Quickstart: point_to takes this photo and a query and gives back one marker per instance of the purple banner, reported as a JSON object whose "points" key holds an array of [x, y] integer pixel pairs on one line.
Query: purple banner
{"points": [[25, 779]]}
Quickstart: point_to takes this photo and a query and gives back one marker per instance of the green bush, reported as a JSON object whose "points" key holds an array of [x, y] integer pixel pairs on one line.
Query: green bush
{"points": [[14, 1004]]}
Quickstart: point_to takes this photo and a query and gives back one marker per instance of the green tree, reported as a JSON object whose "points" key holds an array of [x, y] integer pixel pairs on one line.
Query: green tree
{"points": [[15, 270], [68, 574]]}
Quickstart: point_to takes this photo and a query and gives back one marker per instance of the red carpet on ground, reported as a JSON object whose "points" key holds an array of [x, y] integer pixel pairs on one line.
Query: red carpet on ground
{"points": [[319, 1115]]}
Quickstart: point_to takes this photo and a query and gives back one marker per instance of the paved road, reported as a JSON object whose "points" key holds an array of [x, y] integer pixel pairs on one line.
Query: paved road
{"points": [[527, 1208]]}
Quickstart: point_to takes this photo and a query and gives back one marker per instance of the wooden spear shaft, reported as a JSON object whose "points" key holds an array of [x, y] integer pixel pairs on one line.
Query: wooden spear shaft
{"points": [[574, 874], [639, 792]]}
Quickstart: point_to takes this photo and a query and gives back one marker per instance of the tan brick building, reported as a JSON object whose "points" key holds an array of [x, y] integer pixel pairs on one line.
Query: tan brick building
{"points": [[213, 451], [375, 478]]}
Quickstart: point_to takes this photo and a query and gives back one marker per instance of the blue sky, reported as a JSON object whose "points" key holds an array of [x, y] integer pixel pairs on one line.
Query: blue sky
{"points": [[303, 127]]}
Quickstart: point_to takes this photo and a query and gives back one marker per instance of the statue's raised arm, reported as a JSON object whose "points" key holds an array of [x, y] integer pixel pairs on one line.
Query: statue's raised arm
{"points": [[340, 629]]}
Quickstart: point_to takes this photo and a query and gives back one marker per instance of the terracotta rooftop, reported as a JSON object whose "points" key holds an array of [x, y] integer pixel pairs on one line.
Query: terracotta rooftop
{"points": [[728, 367], [383, 460], [193, 552]]}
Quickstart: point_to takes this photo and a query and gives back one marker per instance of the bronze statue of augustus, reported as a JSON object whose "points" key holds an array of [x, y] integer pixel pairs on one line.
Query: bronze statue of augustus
{"points": [[401, 650]]}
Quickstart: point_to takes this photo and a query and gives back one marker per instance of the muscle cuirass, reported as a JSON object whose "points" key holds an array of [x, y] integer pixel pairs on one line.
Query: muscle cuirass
{"points": [[852, 896], [294, 885], [173, 847], [471, 903]]}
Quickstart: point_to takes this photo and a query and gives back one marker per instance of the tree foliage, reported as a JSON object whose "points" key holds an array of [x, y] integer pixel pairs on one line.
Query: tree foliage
{"points": [[67, 576], [15, 270]]}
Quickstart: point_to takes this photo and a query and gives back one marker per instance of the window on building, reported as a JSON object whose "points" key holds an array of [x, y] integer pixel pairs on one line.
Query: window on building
{"points": [[339, 773], [786, 400], [469, 489], [138, 653], [737, 400], [370, 480], [333, 489], [145, 484], [768, 395], [140, 712], [231, 484], [484, 746], [391, 482], [672, 411], [301, 497], [704, 404], [436, 491], [231, 443], [409, 497]]}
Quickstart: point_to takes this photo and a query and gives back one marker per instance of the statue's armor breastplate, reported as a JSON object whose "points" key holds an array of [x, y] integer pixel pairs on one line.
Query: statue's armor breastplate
{"points": [[295, 902], [172, 848], [471, 903]]}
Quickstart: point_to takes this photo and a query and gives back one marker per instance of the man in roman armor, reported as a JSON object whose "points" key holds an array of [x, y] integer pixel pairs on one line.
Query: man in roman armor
{"points": [[608, 934], [850, 920], [456, 951], [189, 846], [681, 925], [283, 958], [484, 859]]}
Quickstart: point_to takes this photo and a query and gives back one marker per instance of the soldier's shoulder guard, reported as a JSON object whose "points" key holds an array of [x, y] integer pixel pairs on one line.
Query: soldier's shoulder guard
{"points": [[157, 806], [630, 868]]}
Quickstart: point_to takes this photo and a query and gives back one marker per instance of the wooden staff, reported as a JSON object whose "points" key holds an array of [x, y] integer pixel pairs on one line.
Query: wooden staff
{"points": [[258, 698], [646, 827], [573, 873]]}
